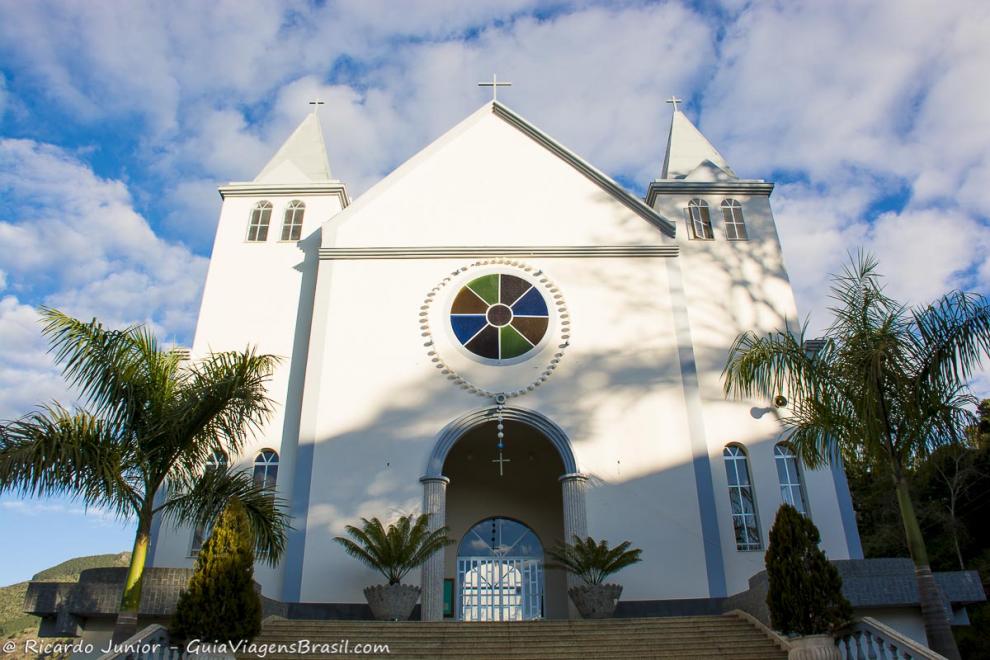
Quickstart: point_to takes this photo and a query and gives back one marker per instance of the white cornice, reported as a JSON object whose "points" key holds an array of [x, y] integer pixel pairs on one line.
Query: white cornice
{"points": [[470, 252], [245, 189], [678, 187]]}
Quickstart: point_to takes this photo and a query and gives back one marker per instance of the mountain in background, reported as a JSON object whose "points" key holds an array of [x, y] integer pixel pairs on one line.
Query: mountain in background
{"points": [[13, 620]]}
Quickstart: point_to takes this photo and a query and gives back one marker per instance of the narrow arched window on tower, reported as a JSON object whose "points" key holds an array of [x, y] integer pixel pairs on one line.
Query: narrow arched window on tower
{"points": [[789, 473], [261, 217], [699, 219], [735, 228], [218, 461], [266, 469], [292, 226], [741, 499]]}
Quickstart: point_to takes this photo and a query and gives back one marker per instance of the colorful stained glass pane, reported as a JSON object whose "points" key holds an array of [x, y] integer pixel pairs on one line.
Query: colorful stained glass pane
{"points": [[466, 326], [512, 289], [468, 302], [513, 343], [531, 327], [486, 287], [485, 343], [531, 304], [499, 316]]}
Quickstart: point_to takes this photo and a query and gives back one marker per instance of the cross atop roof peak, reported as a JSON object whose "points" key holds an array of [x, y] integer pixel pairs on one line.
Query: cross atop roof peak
{"points": [[494, 84]]}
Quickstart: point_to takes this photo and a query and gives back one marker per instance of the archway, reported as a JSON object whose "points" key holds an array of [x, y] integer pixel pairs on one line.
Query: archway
{"points": [[536, 483], [500, 570]]}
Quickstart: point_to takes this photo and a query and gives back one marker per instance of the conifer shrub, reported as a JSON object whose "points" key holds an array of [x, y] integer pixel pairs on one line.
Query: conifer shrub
{"points": [[805, 589], [221, 604]]}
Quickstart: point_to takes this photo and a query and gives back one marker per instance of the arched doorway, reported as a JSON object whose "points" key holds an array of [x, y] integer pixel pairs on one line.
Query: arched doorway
{"points": [[499, 572], [532, 483]]}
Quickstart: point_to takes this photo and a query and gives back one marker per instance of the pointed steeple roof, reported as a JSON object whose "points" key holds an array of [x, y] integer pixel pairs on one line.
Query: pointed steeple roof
{"points": [[690, 155], [302, 158]]}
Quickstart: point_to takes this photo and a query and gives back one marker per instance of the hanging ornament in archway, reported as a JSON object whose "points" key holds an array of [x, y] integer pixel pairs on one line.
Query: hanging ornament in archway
{"points": [[500, 434]]}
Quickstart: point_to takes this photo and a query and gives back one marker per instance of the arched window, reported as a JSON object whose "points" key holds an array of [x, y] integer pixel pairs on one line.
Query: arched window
{"points": [[292, 226], [699, 219], [266, 469], [261, 217], [741, 498], [735, 229], [218, 461], [789, 473]]}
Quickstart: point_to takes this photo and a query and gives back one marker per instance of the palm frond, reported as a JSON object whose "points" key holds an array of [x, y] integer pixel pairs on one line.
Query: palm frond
{"points": [[953, 337], [202, 500], [591, 560], [56, 452], [395, 550], [102, 364], [765, 366]]}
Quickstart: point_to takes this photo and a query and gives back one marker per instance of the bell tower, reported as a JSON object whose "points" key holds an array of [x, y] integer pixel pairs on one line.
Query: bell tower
{"points": [[259, 293]]}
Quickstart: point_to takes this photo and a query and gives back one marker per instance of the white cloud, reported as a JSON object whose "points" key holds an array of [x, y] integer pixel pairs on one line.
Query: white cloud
{"points": [[857, 102], [73, 240], [46, 508]]}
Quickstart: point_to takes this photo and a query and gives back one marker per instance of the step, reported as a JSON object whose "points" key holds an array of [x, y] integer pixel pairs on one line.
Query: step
{"points": [[694, 638]]}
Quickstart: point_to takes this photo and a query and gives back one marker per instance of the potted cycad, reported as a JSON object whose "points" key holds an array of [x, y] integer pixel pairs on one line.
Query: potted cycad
{"points": [[393, 551], [593, 562], [804, 593]]}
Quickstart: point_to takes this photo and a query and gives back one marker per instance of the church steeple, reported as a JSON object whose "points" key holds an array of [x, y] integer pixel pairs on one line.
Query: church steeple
{"points": [[302, 158], [690, 155]]}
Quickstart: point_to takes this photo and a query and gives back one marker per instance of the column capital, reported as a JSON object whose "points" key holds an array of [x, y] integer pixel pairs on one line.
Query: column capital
{"points": [[433, 478], [574, 476]]}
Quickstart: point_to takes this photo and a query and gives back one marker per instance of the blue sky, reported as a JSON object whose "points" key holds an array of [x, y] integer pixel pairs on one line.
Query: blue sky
{"points": [[118, 121]]}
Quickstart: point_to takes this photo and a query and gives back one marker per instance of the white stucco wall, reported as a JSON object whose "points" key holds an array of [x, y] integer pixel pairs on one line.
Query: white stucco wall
{"points": [[732, 287], [373, 400], [259, 294]]}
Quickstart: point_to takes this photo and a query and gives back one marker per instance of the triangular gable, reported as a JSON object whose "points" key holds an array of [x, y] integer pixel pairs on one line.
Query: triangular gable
{"points": [[600, 179]]}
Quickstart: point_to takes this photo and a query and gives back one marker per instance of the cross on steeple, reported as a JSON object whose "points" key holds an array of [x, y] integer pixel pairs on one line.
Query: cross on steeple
{"points": [[501, 462], [316, 105], [673, 100], [494, 84]]}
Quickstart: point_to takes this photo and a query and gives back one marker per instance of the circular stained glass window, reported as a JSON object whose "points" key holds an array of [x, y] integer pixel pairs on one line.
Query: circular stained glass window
{"points": [[499, 316]]}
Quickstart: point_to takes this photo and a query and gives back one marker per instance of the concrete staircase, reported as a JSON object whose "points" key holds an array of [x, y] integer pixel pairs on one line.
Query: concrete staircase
{"points": [[723, 637]]}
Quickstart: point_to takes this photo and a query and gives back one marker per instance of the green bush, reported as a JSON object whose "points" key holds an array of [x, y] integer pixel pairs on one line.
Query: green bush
{"points": [[220, 603], [591, 560], [805, 590]]}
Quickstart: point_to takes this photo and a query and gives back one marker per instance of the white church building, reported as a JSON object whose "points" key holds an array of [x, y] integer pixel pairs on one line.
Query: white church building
{"points": [[498, 334]]}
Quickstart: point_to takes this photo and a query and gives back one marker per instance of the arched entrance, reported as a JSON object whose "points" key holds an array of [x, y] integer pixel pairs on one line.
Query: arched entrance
{"points": [[534, 482], [499, 572]]}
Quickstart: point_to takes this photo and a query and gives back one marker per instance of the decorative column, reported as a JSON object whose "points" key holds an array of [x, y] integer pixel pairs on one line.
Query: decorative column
{"points": [[574, 487], [431, 582], [575, 514]]}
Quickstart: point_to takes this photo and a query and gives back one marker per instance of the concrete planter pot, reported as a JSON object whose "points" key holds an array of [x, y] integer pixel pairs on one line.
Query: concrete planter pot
{"points": [[595, 601], [813, 647], [392, 602]]}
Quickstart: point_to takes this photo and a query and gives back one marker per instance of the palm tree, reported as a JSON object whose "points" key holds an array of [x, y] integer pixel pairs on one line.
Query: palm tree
{"points": [[887, 385], [138, 444], [395, 550]]}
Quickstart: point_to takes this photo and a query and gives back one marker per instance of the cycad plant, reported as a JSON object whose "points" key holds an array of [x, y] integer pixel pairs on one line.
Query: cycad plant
{"points": [[887, 385], [593, 561], [396, 549], [146, 425]]}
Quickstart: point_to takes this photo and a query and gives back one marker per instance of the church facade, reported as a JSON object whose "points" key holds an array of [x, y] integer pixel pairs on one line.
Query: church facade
{"points": [[500, 335]]}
